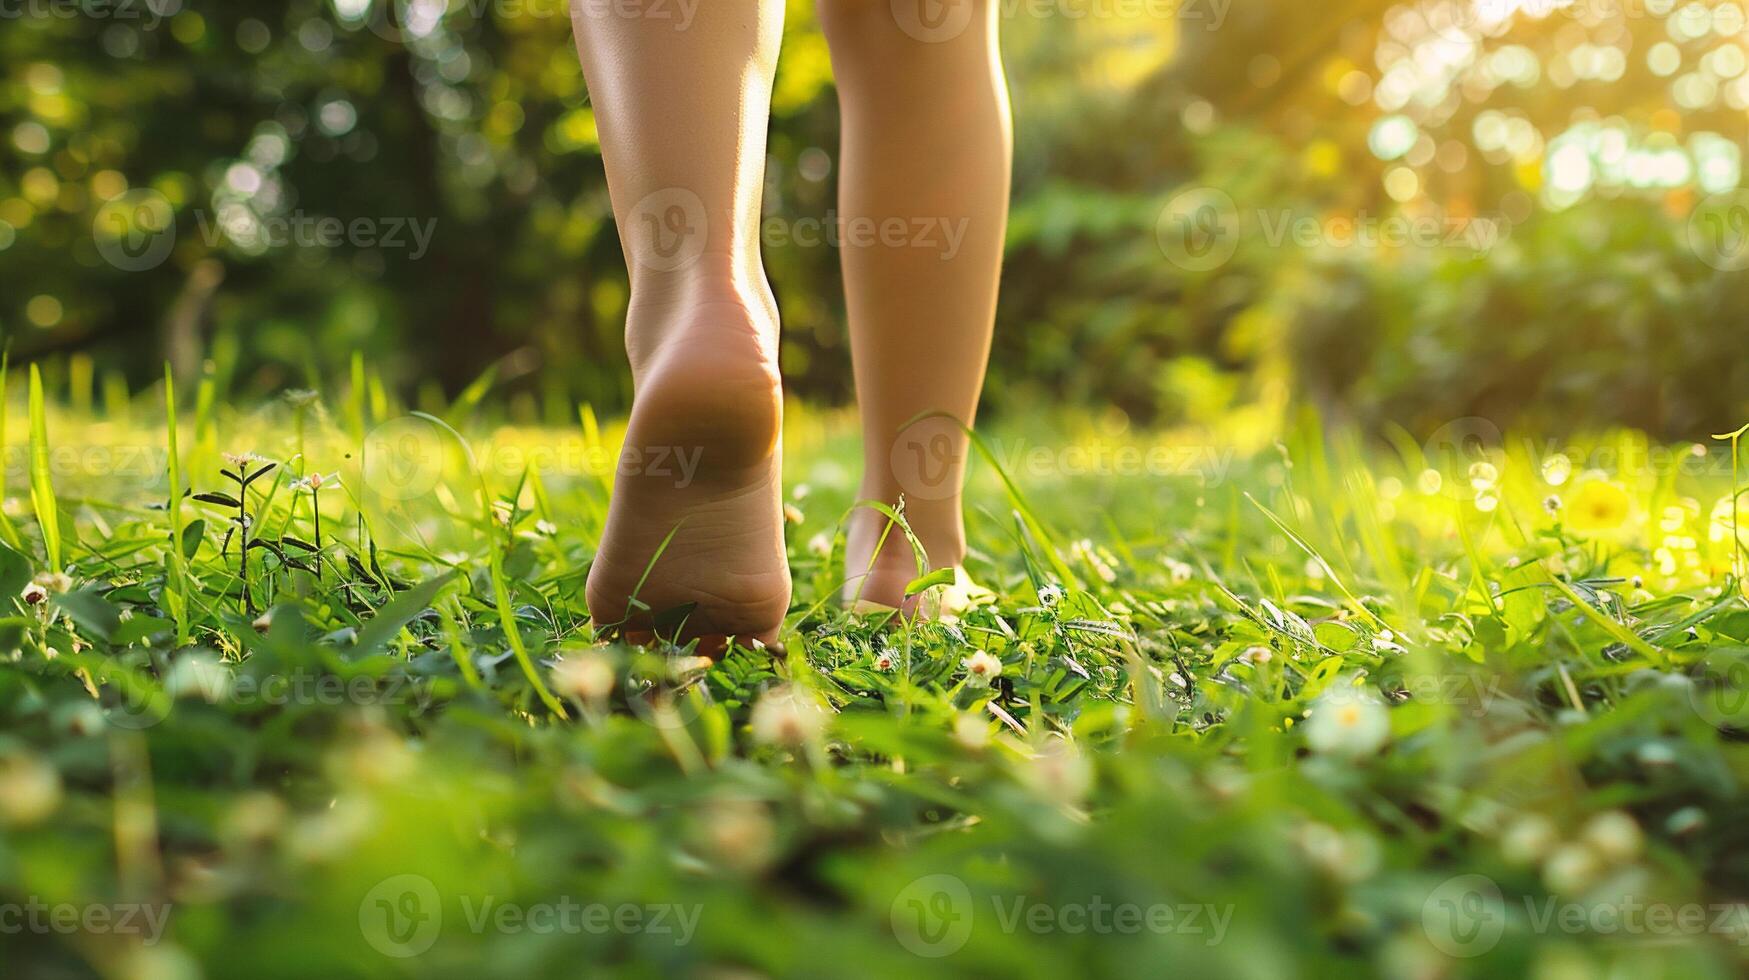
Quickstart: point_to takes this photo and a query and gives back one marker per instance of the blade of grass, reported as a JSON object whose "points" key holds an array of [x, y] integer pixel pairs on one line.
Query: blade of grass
{"points": [[42, 489], [1620, 633], [7, 531], [177, 593], [500, 590], [1354, 602]]}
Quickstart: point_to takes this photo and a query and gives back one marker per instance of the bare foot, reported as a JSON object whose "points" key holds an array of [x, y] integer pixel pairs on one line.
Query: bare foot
{"points": [[701, 460], [877, 583]]}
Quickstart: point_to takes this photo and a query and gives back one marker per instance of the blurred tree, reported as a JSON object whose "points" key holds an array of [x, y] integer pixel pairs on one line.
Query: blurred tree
{"points": [[420, 180]]}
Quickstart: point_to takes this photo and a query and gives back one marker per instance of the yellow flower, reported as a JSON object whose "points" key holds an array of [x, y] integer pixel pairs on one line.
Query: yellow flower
{"points": [[1598, 506]]}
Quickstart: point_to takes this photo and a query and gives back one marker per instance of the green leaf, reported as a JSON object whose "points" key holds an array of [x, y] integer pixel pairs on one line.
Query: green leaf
{"points": [[941, 576], [399, 611], [191, 538], [12, 633], [14, 572], [92, 612], [1338, 637], [139, 627], [222, 499]]}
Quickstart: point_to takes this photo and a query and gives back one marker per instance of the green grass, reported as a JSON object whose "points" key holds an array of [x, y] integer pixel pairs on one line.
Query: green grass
{"points": [[1264, 709]]}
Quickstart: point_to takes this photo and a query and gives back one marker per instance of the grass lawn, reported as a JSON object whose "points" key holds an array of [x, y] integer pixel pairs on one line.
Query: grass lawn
{"points": [[1242, 707]]}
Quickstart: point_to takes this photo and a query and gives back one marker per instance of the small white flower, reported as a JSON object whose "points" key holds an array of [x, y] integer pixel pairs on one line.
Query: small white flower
{"points": [[263, 621], [982, 668], [1614, 835], [821, 545], [55, 581], [34, 594], [1527, 839], [971, 732], [1177, 571], [1346, 857], [1571, 869], [30, 790], [792, 514], [788, 717], [1050, 595], [585, 676], [1552, 503], [884, 662], [1086, 551], [1256, 655], [1347, 722], [1060, 773], [546, 527], [315, 481]]}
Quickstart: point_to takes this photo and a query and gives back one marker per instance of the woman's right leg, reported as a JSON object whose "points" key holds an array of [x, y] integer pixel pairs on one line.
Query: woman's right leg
{"points": [[682, 110], [923, 186]]}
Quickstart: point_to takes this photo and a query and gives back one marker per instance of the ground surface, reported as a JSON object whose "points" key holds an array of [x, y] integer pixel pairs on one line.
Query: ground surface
{"points": [[1240, 708]]}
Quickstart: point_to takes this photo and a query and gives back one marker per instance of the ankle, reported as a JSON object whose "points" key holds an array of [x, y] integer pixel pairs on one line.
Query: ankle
{"points": [[937, 525], [713, 279], [727, 319]]}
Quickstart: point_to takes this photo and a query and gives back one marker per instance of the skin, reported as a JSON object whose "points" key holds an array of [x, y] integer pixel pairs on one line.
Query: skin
{"points": [[682, 115], [926, 141]]}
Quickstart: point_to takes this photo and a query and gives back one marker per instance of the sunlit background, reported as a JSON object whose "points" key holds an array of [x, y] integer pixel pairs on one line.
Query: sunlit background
{"points": [[1400, 214]]}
